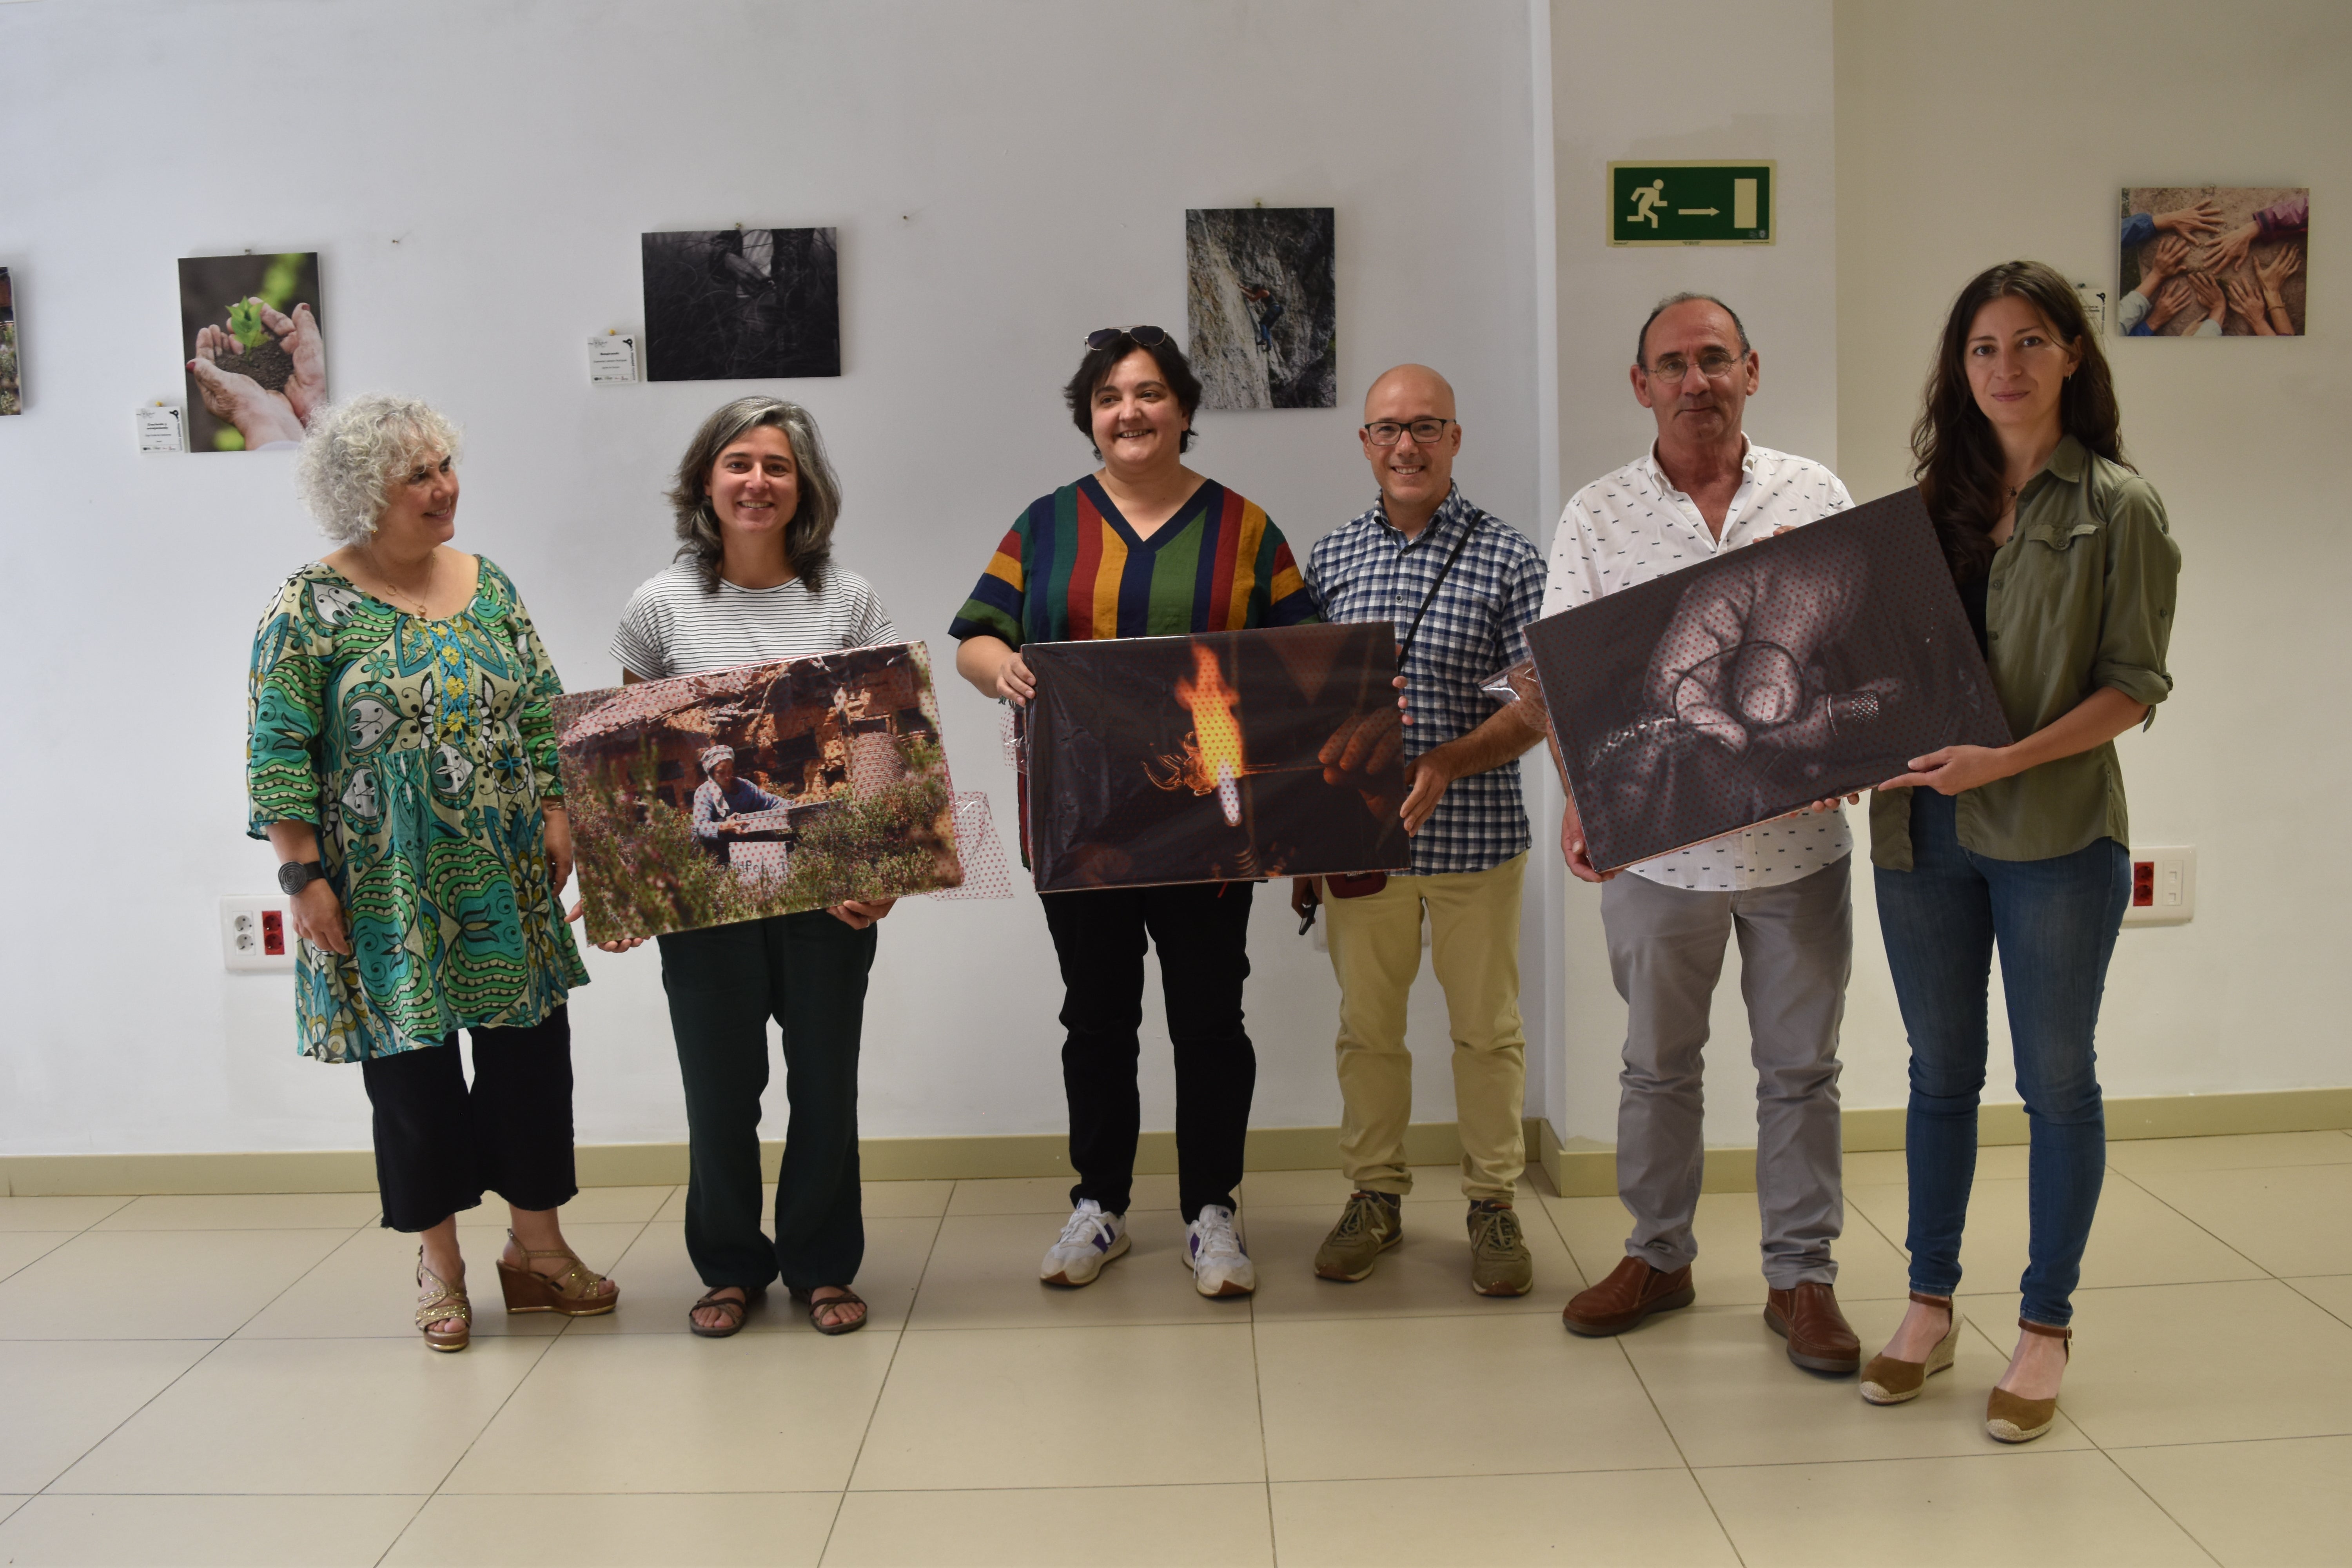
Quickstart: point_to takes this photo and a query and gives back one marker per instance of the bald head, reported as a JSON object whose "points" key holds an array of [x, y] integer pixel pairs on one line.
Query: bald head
{"points": [[1414, 475], [1430, 393]]}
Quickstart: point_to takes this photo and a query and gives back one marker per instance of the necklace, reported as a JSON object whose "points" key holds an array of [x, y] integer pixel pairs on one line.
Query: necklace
{"points": [[384, 578]]}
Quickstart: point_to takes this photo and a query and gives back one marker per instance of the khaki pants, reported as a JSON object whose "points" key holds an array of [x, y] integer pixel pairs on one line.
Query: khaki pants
{"points": [[1474, 931]]}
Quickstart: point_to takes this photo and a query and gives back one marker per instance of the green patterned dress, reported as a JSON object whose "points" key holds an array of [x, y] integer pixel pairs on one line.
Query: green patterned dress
{"points": [[422, 751]]}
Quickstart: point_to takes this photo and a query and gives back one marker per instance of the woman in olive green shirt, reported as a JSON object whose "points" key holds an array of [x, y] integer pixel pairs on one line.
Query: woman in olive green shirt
{"points": [[2064, 562]]}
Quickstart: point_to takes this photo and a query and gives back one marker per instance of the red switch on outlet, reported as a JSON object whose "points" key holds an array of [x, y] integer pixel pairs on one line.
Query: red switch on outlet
{"points": [[2143, 886], [273, 921]]}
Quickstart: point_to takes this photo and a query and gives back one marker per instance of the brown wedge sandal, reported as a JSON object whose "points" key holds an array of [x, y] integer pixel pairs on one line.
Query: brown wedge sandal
{"points": [[737, 1310], [848, 1298], [1886, 1381], [571, 1293], [2010, 1419], [447, 1301]]}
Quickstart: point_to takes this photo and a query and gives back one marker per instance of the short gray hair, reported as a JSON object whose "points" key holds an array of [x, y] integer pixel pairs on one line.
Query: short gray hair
{"points": [[353, 450], [808, 537], [1642, 342]]}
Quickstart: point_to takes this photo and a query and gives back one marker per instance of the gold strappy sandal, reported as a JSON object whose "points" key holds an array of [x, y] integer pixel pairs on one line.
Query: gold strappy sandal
{"points": [[447, 1301], [571, 1293]]}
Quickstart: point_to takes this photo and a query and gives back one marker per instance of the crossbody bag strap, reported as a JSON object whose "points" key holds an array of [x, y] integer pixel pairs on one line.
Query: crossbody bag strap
{"points": [[1404, 644]]}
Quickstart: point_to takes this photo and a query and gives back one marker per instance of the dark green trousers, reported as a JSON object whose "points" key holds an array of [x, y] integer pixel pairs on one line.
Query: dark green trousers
{"points": [[808, 972]]}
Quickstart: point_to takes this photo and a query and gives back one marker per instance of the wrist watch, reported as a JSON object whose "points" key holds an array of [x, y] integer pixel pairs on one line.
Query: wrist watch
{"points": [[296, 875]]}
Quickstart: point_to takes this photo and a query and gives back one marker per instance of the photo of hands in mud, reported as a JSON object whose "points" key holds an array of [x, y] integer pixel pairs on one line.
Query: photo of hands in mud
{"points": [[2212, 262], [255, 359], [1228, 757], [1750, 685]]}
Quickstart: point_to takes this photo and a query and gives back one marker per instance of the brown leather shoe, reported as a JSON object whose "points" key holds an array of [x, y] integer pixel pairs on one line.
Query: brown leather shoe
{"points": [[1809, 1318], [1632, 1293]]}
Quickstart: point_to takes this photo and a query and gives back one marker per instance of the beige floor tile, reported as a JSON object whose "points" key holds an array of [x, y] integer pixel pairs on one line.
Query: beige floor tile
{"points": [[1176, 1525], [983, 1275], [2151, 1156], [2291, 1219], [2135, 1240], [156, 1285], [18, 1247], [1724, 1383], [1030, 1407], [2332, 1292], [2277, 1504], [309, 1416], [907, 1199], [365, 1288], [1049, 1195], [659, 1285], [2028, 1506], [1730, 1270], [244, 1211], [1886, 1167], [1329, 1189], [2199, 1363], [755, 1413], [62, 1398], [597, 1206], [705, 1529], [237, 1532], [56, 1214], [1623, 1516], [1426, 1274], [1442, 1397]]}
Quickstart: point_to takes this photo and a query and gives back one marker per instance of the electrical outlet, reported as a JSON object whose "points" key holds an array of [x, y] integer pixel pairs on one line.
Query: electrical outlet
{"points": [[2164, 887], [255, 934]]}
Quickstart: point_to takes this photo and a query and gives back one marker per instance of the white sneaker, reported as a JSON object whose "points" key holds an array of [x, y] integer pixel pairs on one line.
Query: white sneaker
{"points": [[1091, 1239], [1219, 1267]]}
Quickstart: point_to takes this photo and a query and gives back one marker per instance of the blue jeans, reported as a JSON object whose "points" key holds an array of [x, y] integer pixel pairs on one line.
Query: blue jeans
{"points": [[2055, 922]]}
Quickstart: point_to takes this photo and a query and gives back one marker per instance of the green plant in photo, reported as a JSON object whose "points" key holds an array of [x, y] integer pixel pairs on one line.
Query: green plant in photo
{"points": [[285, 276], [245, 324]]}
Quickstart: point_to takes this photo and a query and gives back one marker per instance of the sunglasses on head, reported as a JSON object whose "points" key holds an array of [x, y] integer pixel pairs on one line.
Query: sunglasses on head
{"points": [[1143, 337]]}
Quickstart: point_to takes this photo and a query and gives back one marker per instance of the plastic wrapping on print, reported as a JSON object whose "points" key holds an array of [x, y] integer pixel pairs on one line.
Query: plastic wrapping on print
{"points": [[1746, 686], [987, 873], [1200, 759], [828, 776]]}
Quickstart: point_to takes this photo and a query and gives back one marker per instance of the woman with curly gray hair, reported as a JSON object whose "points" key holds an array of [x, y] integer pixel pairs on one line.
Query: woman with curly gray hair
{"points": [[400, 759]]}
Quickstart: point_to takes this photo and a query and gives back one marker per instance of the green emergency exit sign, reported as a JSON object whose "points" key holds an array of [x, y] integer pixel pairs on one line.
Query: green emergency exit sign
{"points": [[1690, 203]]}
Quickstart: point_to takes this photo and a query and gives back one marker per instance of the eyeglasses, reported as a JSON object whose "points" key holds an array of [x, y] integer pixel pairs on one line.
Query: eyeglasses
{"points": [[1144, 337], [1714, 365], [1384, 432]]}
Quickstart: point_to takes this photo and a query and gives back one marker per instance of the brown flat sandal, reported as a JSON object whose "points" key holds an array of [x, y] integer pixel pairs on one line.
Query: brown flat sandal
{"points": [[447, 1301], [729, 1304], [1886, 1381], [848, 1298], [571, 1293], [2010, 1419]]}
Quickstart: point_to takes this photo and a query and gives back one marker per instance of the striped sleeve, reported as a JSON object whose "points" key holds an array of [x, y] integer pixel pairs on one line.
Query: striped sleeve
{"points": [[1289, 601], [998, 602], [641, 642], [873, 622]]}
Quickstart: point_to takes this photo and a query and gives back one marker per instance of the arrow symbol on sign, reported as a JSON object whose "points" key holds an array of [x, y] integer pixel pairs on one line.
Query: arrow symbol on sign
{"points": [[1697, 212]]}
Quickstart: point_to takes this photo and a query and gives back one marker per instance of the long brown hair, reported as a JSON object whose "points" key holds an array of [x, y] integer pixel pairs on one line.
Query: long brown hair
{"points": [[1955, 457]]}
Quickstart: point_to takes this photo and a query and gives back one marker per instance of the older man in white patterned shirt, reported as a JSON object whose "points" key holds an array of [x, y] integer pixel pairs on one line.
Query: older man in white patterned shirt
{"points": [[1701, 489]]}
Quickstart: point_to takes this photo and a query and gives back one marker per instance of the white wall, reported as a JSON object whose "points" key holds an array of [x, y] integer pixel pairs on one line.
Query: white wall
{"points": [[475, 175]]}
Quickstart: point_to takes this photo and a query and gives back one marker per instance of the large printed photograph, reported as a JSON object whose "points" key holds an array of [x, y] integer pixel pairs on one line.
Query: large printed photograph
{"points": [[253, 348], [1213, 758], [2213, 261], [12, 389], [764, 790], [738, 304], [1260, 306], [1750, 685]]}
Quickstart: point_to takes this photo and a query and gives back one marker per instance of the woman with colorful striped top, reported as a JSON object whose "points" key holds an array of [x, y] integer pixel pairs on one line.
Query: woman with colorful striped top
{"points": [[1141, 547]]}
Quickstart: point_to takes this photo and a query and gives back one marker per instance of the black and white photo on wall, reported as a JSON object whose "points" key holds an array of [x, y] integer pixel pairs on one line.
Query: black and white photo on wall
{"points": [[1260, 306], [733, 304], [253, 348]]}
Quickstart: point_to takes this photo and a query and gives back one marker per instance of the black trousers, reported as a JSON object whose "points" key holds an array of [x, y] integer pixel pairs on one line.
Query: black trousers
{"points": [[808, 972], [1201, 932], [439, 1145]]}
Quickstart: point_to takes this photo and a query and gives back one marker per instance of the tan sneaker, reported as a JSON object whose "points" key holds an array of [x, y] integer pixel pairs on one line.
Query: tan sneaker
{"points": [[1370, 1226], [1500, 1263]]}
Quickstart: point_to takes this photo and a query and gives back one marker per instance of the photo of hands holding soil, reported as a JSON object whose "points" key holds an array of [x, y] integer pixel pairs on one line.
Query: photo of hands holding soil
{"points": [[2212, 262], [257, 361]]}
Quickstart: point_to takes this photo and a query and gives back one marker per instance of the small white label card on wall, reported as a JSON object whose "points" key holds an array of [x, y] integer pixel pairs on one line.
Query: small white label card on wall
{"points": [[612, 357], [160, 428]]}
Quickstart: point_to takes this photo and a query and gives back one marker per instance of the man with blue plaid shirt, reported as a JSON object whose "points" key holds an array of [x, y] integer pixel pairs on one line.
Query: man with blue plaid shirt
{"points": [[1461, 586]]}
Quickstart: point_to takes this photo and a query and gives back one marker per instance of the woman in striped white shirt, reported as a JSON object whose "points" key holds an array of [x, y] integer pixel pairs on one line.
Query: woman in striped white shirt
{"points": [[755, 581]]}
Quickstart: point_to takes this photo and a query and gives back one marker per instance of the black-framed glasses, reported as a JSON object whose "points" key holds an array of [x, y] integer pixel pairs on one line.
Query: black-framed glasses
{"points": [[1384, 432], [1145, 337], [1714, 365]]}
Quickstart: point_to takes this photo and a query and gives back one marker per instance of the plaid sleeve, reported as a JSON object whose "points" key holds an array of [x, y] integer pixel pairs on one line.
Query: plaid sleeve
{"points": [[1521, 603], [997, 603]]}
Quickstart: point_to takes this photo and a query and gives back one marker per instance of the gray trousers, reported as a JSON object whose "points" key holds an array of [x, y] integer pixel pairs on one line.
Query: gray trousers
{"points": [[1665, 953]]}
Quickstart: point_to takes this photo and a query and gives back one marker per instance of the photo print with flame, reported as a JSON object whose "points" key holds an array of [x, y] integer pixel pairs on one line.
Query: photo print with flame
{"points": [[1199, 759], [1755, 683], [764, 790]]}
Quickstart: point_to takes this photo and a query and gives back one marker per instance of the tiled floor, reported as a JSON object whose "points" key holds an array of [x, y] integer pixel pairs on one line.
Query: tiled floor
{"points": [[233, 1380]]}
